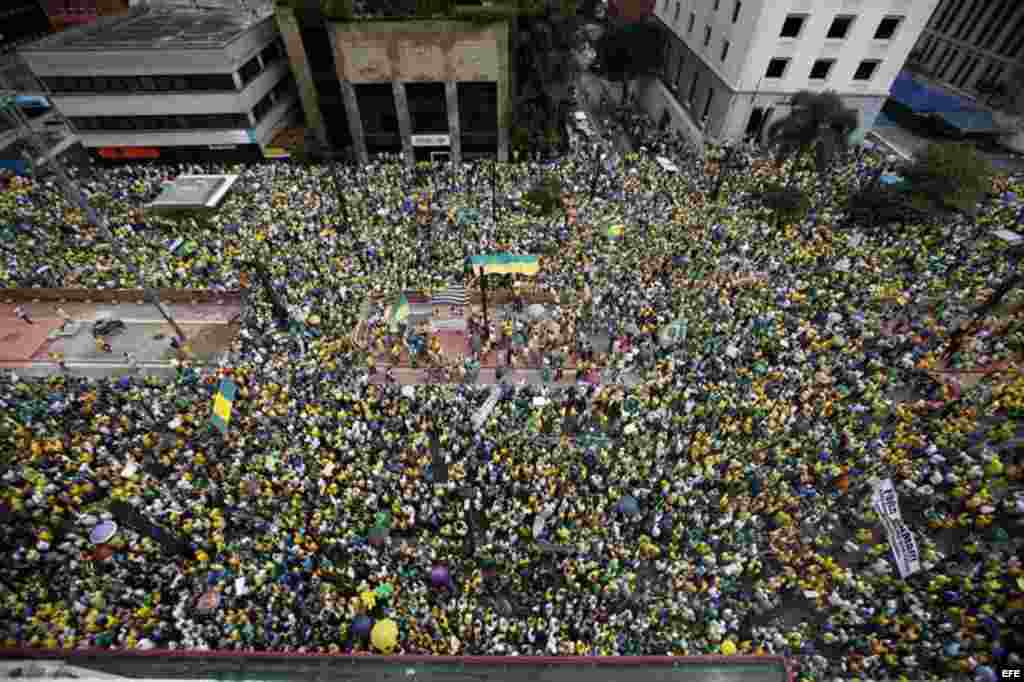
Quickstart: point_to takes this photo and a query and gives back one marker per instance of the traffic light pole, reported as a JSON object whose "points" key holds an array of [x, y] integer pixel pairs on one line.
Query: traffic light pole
{"points": [[76, 197]]}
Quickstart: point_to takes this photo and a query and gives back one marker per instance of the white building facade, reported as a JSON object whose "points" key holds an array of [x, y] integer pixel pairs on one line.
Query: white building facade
{"points": [[170, 84], [731, 66]]}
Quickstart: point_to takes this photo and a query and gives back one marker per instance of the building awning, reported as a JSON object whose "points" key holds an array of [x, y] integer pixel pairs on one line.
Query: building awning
{"points": [[959, 112]]}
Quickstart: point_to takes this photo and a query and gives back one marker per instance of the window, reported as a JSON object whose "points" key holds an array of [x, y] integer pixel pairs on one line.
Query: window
{"points": [[271, 53], [840, 28], [821, 69], [478, 107], [707, 106], [997, 18], [776, 68], [792, 26], [211, 82], [942, 72], [693, 88], [693, 17], [866, 70], [725, 49], [677, 12], [887, 28], [249, 71], [718, 3], [736, 11], [679, 73], [263, 107], [707, 35]]}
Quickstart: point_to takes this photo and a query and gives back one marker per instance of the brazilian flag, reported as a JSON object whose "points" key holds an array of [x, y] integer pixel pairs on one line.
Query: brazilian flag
{"points": [[222, 404]]}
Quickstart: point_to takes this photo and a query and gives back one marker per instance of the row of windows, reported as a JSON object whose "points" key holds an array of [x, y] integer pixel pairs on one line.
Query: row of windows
{"points": [[964, 75], [127, 84], [185, 122], [822, 68], [737, 7], [794, 24], [216, 82], [1006, 22], [282, 89]]}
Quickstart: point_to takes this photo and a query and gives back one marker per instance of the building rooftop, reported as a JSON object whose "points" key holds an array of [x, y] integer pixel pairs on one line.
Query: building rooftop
{"points": [[153, 29], [194, 192]]}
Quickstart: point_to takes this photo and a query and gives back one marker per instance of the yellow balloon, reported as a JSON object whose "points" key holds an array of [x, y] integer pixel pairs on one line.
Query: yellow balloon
{"points": [[384, 635], [728, 648]]}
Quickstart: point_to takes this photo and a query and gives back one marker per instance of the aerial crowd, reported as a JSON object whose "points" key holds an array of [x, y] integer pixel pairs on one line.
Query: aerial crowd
{"points": [[721, 503]]}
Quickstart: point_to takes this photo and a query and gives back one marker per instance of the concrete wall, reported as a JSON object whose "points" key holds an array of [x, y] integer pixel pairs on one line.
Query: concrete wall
{"points": [[368, 52], [289, 27]]}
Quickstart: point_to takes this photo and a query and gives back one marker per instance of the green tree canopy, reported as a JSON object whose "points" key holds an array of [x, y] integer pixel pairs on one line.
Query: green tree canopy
{"points": [[818, 121], [949, 177]]}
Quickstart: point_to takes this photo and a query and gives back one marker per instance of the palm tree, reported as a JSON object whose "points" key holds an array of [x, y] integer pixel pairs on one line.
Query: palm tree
{"points": [[816, 120]]}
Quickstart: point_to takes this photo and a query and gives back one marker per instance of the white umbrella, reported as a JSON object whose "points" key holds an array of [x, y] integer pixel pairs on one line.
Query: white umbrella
{"points": [[536, 311]]}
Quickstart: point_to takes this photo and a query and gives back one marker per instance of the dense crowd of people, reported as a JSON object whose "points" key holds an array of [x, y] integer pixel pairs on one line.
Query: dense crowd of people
{"points": [[723, 505]]}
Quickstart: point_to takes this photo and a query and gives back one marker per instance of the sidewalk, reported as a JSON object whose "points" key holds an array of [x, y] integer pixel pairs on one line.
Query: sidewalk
{"points": [[29, 348]]}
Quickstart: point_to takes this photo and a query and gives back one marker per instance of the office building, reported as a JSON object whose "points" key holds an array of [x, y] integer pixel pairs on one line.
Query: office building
{"points": [[428, 89], [731, 66], [966, 44], [172, 84]]}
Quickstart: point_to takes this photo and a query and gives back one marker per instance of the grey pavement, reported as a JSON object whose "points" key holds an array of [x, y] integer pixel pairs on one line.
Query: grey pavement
{"points": [[316, 668]]}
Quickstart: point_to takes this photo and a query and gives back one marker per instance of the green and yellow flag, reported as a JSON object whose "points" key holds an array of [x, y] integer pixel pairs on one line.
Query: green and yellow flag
{"points": [[615, 231], [222, 404], [505, 264]]}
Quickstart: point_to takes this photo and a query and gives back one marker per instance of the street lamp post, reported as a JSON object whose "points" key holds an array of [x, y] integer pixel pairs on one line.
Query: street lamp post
{"points": [[77, 197]]}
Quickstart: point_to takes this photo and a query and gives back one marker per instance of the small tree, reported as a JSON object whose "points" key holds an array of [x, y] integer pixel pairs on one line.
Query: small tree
{"points": [[818, 121], [949, 177], [786, 203], [546, 197]]}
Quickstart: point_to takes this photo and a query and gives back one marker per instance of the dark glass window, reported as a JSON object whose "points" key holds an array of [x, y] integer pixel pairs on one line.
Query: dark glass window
{"points": [[428, 108], [866, 70], [478, 107], [791, 27], [263, 107], [249, 71], [776, 68], [379, 116], [839, 28], [821, 69], [887, 28], [693, 18], [271, 53], [736, 11]]}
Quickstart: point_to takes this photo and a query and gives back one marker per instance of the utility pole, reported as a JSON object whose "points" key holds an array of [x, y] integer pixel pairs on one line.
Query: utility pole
{"points": [[77, 198]]}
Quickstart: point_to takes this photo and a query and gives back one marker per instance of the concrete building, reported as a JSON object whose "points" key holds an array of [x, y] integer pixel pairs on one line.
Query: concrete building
{"points": [[426, 89], [969, 43], [170, 84], [972, 53], [732, 65]]}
